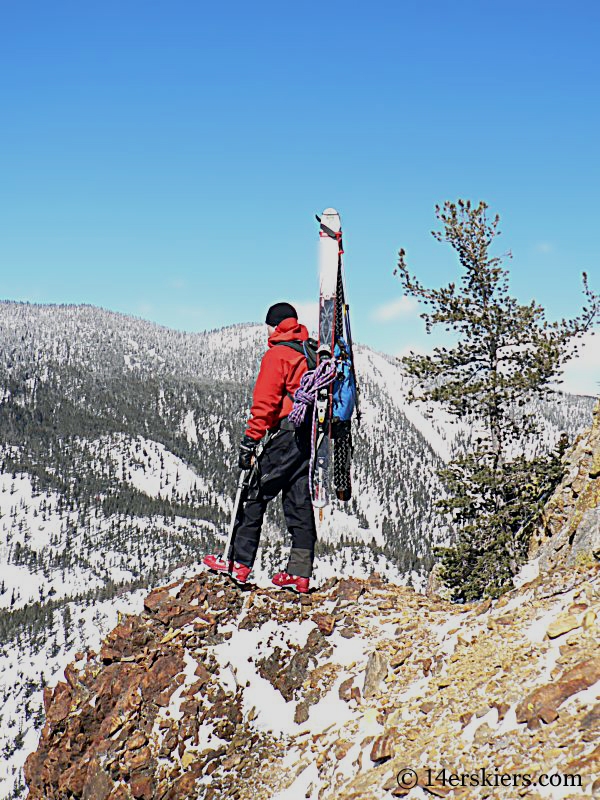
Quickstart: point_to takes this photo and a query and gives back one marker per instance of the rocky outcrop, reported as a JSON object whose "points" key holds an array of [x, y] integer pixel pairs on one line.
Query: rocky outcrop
{"points": [[359, 691], [569, 533]]}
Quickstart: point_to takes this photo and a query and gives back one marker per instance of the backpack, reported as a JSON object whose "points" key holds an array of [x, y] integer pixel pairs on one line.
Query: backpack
{"points": [[343, 395]]}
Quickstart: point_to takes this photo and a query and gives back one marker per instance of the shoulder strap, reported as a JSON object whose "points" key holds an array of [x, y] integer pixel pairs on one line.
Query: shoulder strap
{"points": [[308, 347], [297, 346]]}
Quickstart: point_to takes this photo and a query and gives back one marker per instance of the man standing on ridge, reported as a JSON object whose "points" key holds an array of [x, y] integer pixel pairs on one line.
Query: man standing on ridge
{"points": [[283, 465]]}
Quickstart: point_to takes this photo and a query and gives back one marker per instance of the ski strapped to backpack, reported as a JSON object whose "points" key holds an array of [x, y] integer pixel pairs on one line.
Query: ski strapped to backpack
{"points": [[335, 338], [329, 385]]}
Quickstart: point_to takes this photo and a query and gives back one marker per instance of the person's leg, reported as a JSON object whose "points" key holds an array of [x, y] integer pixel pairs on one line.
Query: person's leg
{"points": [[300, 519], [248, 526], [298, 508], [272, 470]]}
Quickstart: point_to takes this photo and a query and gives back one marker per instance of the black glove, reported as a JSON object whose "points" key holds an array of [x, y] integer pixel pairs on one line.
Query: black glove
{"points": [[247, 452]]}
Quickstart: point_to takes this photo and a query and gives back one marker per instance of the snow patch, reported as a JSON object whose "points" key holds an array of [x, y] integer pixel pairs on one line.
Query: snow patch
{"points": [[239, 655]]}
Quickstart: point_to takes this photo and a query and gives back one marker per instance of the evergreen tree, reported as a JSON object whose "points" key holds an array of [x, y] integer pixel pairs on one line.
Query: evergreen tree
{"points": [[506, 354]]}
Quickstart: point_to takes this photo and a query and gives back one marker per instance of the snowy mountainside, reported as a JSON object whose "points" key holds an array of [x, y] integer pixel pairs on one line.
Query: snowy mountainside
{"points": [[80, 381], [125, 420], [448, 435], [120, 420], [380, 370]]}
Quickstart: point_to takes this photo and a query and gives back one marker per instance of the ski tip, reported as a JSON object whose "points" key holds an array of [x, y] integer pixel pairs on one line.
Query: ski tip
{"points": [[330, 221]]}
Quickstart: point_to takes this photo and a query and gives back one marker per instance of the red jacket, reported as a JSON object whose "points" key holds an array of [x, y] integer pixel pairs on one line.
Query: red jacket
{"points": [[280, 371]]}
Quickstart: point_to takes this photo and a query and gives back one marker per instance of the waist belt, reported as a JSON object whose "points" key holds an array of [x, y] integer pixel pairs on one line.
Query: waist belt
{"points": [[286, 424]]}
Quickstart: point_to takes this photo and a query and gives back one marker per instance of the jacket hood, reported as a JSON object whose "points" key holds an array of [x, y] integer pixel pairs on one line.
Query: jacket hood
{"points": [[289, 330]]}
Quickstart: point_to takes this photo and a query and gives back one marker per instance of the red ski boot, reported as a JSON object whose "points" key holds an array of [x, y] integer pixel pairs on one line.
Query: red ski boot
{"points": [[295, 582], [239, 572]]}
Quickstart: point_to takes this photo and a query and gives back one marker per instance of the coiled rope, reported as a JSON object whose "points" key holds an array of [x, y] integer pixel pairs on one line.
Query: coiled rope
{"points": [[310, 385]]}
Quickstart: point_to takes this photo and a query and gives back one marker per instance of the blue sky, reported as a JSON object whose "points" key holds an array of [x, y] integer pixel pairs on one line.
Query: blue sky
{"points": [[167, 159]]}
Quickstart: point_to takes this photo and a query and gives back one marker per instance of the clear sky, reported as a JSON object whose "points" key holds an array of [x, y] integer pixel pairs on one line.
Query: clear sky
{"points": [[166, 159]]}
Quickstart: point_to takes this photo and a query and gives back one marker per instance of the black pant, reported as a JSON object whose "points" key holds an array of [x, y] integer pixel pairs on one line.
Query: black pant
{"points": [[283, 467]]}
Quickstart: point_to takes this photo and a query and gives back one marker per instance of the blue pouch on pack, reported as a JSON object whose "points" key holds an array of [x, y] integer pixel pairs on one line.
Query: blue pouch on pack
{"points": [[344, 385]]}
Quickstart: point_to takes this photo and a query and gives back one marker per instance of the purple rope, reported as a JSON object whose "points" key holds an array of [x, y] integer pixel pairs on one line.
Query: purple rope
{"points": [[311, 383]]}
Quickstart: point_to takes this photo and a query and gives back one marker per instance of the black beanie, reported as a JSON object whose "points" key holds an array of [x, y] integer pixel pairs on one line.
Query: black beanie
{"points": [[279, 312]]}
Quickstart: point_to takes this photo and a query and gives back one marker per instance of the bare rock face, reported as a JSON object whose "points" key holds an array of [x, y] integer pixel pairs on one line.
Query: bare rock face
{"points": [[569, 533]]}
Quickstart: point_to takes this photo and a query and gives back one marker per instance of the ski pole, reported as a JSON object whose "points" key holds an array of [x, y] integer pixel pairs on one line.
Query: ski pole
{"points": [[242, 483]]}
